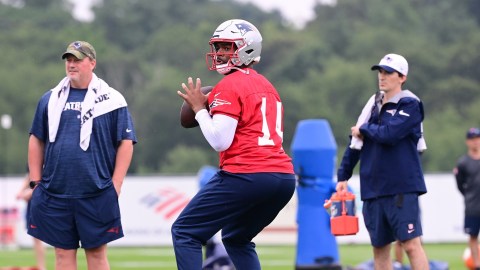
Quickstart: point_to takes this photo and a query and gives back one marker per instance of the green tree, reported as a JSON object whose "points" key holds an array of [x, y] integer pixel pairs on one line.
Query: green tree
{"points": [[146, 49]]}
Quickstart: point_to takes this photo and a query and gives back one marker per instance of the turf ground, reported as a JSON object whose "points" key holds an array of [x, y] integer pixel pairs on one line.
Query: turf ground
{"points": [[271, 257]]}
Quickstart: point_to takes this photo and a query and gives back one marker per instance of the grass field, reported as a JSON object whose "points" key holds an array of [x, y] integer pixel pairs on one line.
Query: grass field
{"points": [[271, 257]]}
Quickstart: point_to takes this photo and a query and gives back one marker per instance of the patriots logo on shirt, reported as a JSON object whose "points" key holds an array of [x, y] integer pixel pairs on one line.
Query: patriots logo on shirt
{"points": [[244, 28], [392, 112], [218, 102]]}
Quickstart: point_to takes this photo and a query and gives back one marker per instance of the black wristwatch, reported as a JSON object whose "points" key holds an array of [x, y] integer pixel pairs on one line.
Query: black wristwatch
{"points": [[33, 183]]}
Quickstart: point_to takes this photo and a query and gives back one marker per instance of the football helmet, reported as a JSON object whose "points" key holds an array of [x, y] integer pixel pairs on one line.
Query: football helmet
{"points": [[246, 43]]}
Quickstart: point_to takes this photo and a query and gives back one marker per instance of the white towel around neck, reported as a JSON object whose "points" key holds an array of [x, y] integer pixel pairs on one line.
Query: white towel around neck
{"points": [[99, 99], [357, 143]]}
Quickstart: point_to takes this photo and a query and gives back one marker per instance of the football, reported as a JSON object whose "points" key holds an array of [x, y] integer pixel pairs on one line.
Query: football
{"points": [[187, 116]]}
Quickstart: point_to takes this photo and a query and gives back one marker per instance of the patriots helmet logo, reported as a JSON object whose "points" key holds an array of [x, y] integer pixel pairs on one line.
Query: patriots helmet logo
{"points": [[244, 28]]}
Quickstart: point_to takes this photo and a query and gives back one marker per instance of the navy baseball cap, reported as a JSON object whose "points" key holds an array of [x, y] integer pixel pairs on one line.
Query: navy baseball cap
{"points": [[473, 133]]}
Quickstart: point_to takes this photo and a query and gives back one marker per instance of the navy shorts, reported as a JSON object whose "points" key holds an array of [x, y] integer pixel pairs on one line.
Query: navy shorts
{"points": [[240, 204], [392, 218], [64, 222], [472, 225]]}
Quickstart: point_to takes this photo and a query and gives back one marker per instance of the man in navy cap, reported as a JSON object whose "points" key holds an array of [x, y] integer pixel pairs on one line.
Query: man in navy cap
{"points": [[467, 174], [391, 176]]}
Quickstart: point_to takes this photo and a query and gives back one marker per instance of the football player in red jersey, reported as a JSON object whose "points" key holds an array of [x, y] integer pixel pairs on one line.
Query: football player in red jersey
{"points": [[244, 123]]}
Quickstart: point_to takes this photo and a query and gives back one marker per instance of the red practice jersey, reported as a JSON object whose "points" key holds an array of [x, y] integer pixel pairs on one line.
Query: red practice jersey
{"points": [[257, 145]]}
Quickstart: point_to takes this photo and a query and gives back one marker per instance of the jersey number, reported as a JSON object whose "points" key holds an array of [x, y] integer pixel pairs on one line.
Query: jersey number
{"points": [[266, 138]]}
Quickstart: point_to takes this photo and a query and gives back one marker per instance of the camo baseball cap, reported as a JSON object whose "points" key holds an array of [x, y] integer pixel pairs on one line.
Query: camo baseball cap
{"points": [[80, 49]]}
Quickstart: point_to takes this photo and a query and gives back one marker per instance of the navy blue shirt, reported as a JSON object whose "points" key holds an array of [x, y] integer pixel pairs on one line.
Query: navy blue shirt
{"points": [[69, 171], [468, 183], [389, 160]]}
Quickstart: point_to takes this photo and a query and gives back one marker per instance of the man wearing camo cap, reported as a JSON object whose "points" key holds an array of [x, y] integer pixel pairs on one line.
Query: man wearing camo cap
{"points": [[80, 148]]}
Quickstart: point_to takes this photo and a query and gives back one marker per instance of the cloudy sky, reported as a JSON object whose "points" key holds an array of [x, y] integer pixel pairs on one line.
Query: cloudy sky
{"points": [[297, 11]]}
